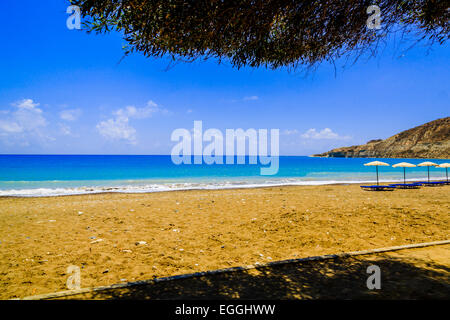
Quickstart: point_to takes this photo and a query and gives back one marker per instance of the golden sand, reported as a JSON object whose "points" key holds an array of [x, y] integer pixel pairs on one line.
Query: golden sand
{"points": [[406, 274], [190, 231]]}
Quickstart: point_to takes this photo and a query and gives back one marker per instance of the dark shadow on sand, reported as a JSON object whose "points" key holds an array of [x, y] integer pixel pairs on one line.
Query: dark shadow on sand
{"points": [[340, 278]]}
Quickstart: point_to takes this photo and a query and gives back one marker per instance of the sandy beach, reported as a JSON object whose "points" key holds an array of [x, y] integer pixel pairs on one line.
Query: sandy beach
{"points": [[419, 273], [116, 238]]}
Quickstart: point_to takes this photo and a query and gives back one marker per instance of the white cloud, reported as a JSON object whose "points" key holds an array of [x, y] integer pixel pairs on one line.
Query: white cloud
{"points": [[26, 118], [27, 104], [149, 110], [66, 130], [246, 98], [288, 132], [10, 127], [119, 128], [70, 114], [23, 124], [326, 133]]}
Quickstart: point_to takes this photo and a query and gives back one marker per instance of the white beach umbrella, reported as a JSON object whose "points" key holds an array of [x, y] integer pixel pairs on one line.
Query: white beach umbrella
{"points": [[404, 165], [376, 164], [427, 164], [446, 166]]}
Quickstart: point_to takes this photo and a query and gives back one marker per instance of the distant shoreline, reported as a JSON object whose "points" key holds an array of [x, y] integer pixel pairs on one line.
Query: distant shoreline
{"points": [[236, 187]]}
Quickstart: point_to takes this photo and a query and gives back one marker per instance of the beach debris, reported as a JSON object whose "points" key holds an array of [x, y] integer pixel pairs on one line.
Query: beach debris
{"points": [[181, 249], [140, 243], [196, 264], [51, 220], [176, 230], [131, 210], [42, 261], [223, 247], [269, 258], [127, 251], [261, 255], [92, 237], [123, 280], [80, 213], [106, 271], [96, 241]]}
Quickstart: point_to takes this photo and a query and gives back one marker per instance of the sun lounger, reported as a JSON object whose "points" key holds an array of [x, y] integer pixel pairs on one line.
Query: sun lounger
{"points": [[432, 183], [406, 185], [378, 188]]}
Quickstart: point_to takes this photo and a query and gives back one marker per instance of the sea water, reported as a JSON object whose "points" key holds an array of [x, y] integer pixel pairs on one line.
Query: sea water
{"points": [[52, 175]]}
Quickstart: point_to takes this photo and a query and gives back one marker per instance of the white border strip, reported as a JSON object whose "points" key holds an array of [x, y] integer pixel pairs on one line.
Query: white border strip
{"points": [[204, 273]]}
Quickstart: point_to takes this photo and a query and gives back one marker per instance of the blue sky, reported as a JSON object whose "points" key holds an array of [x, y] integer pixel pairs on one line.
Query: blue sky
{"points": [[64, 92]]}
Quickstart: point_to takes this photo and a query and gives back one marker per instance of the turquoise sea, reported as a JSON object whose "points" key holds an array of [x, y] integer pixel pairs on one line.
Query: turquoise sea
{"points": [[51, 175]]}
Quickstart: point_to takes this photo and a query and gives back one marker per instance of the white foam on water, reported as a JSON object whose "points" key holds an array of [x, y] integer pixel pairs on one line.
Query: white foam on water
{"points": [[178, 186]]}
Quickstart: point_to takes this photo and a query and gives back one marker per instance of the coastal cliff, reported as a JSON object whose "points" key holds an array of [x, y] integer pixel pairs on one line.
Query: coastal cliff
{"points": [[430, 140]]}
